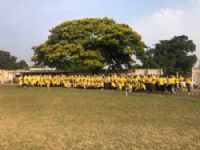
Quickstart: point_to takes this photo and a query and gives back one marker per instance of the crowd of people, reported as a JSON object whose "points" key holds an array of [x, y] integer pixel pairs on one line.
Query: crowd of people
{"points": [[131, 83]]}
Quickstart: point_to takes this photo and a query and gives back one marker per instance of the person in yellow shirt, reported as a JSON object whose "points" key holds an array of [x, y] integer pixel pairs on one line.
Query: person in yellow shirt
{"points": [[171, 83], [113, 85], [128, 86], [176, 86], [25, 80], [161, 84], [165, 82], [154, 81], [188, 82], [20, 78], [66, 84], [119, 86], [143, 87], [181, 82], [150, 83]]}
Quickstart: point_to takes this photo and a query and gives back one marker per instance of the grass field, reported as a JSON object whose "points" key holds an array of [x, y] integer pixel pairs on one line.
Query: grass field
{"points": [[35, 118]]}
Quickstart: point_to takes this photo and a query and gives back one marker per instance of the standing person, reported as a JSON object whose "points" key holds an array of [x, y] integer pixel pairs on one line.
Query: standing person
{"points": [[113, 85], [128, 87], [20, 78], [154, 83], [161, 84], [188, 81], [170, 84], [156, 80], [181, 83], [177, 88], [150, 84], [165, 83]]}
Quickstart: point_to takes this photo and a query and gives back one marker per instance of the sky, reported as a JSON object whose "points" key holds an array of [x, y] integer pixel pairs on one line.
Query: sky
{"points": [[26, 23]]}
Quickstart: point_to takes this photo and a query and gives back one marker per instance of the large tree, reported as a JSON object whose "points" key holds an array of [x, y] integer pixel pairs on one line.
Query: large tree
{"points": [[90, 43], [7, 61], [174, 55]]}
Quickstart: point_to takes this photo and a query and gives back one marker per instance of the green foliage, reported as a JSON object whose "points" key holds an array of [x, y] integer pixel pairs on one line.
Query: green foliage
{"points": [[175, 55], [38, 66], [22, 65], [90, 43], [10, 62]]}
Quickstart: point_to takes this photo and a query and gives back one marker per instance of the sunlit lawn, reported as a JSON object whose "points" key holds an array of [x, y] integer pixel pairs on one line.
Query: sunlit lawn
{"points": [[36, 118]]}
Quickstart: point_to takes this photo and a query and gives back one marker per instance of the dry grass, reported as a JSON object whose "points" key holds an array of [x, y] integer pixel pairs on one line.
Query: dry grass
{"points": [[88, 119]]}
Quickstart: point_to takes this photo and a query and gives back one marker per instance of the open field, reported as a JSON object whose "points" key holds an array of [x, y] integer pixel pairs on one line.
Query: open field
{"points": [[35, 118]]}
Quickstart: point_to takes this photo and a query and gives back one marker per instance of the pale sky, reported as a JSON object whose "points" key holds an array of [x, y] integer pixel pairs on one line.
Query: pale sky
{"points": [[26, 23]]}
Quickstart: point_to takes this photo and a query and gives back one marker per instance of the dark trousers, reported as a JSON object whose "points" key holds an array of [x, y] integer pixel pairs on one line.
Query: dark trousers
{"points": [[161, 88], [150, 87], [188, 87], [170, 88]]}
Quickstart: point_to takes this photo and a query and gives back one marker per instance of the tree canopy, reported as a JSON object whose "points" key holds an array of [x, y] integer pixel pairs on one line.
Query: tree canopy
{"points": [[7, 61], [175, 55], [90, 43]]}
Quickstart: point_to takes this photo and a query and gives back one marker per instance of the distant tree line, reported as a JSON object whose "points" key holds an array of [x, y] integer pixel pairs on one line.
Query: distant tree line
{"points": [[8, 62]]}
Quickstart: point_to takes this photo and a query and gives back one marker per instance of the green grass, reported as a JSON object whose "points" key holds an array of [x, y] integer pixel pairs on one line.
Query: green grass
{"points": [[35, 118]]}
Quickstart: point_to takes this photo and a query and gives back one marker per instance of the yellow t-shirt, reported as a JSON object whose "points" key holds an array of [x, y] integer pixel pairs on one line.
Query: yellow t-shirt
{"points": [[160, 81], [171, 80], [188, 80]]}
